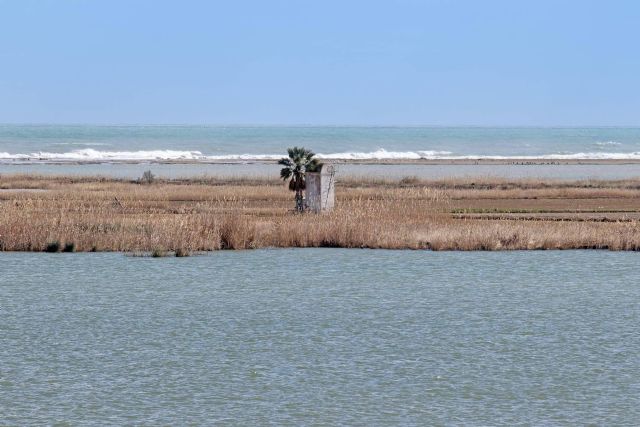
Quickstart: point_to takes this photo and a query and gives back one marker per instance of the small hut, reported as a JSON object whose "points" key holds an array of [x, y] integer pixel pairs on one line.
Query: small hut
{"points": [[320, 188]]}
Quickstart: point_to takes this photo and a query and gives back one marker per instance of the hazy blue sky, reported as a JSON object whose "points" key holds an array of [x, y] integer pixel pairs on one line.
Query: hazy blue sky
{"points": [[321, 62]]}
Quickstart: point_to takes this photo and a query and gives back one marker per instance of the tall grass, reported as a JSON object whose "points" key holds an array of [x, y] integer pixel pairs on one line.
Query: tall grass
{"points": [[183, 217]]}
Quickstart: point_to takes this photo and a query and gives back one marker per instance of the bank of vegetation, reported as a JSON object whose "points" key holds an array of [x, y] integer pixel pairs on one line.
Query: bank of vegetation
{"points": [[186, 216]]}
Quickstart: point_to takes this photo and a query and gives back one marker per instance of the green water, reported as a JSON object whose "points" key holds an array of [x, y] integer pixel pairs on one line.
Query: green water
{"points": [[150, 141], [317, 337]]}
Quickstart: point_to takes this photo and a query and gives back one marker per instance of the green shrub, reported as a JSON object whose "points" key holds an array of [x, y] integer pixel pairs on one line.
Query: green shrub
{"points": [[409, 181], [147, 178], [158, 253], [181, 252], [52, 247], [69, 247]]}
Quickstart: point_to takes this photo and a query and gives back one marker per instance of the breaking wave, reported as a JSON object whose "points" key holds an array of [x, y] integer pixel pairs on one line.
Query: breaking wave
{"points": [[91, 155], [607, 143]]}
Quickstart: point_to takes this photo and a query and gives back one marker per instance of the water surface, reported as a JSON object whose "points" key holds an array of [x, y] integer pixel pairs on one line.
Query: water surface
{"points": [[140, 142], [320, 336], [387, 171]]}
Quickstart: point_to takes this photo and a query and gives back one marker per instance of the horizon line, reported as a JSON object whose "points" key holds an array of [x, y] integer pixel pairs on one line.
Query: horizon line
{"points": [[312, 125]]}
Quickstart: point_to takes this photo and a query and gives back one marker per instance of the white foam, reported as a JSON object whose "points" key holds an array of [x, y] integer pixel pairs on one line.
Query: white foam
{"points": [[382, 154], [83, 144], [91, 155], [607, 143], [562, 156]]}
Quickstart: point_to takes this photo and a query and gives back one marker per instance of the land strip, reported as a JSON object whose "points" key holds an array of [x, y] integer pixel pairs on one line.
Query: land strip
{"points": [[469, 160], [207, 213]]}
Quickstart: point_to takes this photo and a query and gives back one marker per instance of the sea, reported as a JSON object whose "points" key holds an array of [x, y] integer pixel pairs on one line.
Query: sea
{"points": [[181, 151], [320, 337], [40, 143]]}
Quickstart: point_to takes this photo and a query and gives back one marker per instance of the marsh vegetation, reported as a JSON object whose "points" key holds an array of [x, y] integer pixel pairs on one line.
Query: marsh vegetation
{"points": [[204, 214]]}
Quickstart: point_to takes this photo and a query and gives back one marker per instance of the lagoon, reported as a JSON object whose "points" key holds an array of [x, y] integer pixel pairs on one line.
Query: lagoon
{"points": [[593, 171], [320, 336]]}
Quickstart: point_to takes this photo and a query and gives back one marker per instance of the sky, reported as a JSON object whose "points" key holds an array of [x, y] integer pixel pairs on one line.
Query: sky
{"points": [[326, 62]]}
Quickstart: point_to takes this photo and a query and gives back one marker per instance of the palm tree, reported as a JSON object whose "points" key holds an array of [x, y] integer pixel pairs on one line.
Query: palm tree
{"points": [[299, 162]]}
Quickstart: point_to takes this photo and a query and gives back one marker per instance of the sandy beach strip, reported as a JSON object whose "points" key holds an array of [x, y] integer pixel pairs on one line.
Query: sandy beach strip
{"points": [[444, 161]]}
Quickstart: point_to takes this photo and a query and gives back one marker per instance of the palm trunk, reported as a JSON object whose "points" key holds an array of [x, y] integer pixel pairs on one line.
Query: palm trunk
{"points": [[299, 201]]}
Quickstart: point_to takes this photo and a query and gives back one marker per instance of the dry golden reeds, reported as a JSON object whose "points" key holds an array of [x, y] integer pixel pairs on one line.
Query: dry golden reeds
{"points": [[186, 216]]}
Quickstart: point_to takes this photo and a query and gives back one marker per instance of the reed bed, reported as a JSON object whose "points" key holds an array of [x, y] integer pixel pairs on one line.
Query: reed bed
{"points": [[207, 213]]}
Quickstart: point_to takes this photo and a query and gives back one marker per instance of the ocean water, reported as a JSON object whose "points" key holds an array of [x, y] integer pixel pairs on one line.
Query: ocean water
{"points": [[345, 170], [320, 337], [41, 143]]}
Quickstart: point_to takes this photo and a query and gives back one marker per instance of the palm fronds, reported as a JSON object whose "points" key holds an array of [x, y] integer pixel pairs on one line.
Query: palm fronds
{"points": [[299, 162]]}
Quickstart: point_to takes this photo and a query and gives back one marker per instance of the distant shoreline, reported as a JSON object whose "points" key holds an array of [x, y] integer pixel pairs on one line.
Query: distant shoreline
{"points": [[524, 161]]}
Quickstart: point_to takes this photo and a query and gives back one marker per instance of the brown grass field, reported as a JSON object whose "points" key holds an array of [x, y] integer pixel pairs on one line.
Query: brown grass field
{"points": [[203, 214]]}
